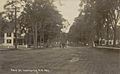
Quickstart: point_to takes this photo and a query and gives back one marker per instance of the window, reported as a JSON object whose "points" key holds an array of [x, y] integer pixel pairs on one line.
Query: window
{"points": [[9, 41], [8, 34], [110, 42]]}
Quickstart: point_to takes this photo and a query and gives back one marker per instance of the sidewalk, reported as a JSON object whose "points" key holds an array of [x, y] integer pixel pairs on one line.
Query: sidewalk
{"points": [[3, 49], [105, 47], [6, 49]]}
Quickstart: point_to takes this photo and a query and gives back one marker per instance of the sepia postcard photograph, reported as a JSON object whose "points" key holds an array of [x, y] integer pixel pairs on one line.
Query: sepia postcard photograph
{"points": [[59, 36]]}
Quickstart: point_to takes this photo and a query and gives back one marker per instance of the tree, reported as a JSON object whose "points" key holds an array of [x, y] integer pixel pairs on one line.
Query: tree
{"points": [[84, 26], [41, 19], [12, 7], [100, 15], [3, 24], [114, 17]]}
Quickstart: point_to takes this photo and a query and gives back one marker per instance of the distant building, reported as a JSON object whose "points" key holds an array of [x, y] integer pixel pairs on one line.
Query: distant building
{"points": [[110, 42]]}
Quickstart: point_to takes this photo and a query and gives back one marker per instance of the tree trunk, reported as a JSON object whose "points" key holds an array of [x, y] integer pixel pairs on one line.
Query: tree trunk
{"points": [[107, 37], [98, 34], [35, 36], [115, 37], [15, 28]]}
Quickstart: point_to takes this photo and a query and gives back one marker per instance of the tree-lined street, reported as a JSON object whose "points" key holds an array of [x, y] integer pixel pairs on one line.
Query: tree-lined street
{"points": [[79, 60], [36, 37]]}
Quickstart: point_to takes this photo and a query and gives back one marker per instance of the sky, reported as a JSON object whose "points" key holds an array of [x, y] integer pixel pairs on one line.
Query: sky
{"points": [[2, 2], [68, 8]]}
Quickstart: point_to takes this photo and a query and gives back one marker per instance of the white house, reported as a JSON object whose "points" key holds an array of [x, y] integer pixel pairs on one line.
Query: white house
{"points": [[9, 37]]}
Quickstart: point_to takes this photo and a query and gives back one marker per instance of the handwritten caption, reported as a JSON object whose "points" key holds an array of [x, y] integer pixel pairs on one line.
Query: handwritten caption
{"points": [[30, 70]]}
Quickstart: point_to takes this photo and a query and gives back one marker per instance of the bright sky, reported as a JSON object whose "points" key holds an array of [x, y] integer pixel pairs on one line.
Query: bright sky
{"points": [[69, 8], [2, 2]]}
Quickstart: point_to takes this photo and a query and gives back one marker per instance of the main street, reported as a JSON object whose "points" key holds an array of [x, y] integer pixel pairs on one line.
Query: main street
{"points": [[75, 60]]}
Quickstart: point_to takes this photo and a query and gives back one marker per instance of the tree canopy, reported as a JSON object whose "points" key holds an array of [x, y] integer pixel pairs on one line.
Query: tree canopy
{"points": [[97, 19], [43, 14], [38, 19]]}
